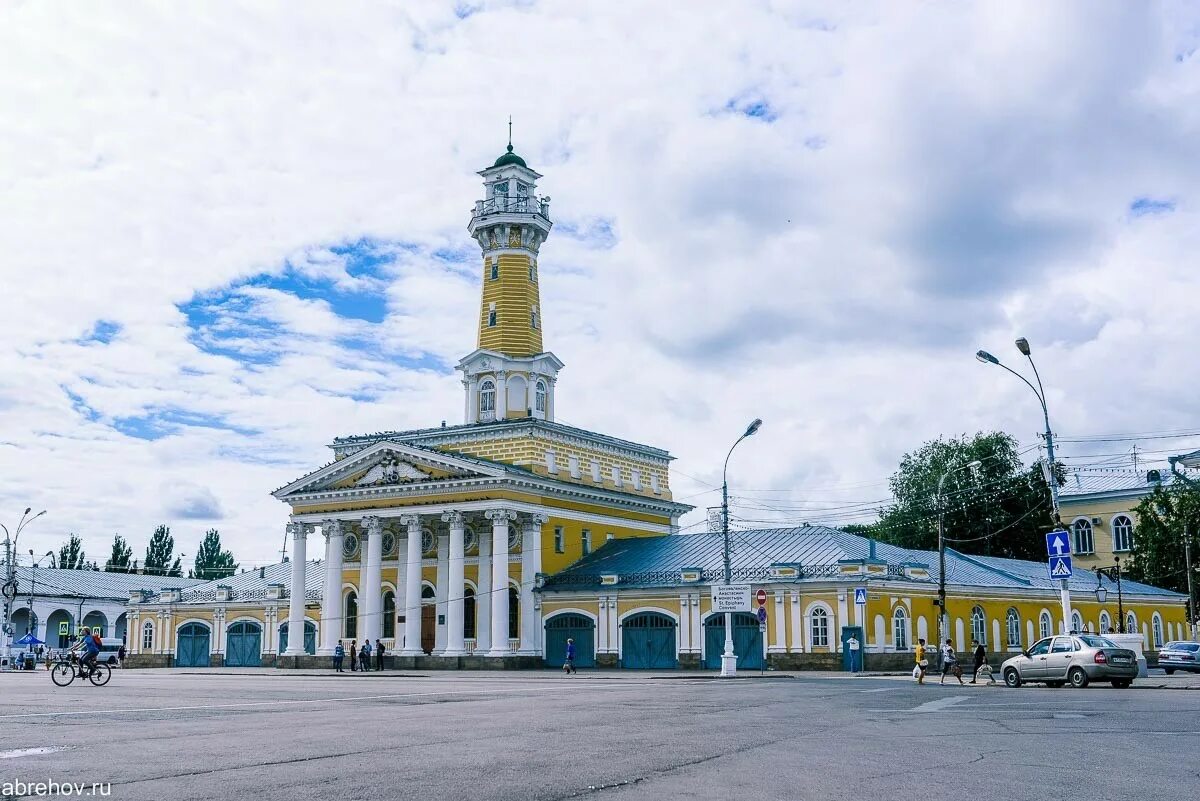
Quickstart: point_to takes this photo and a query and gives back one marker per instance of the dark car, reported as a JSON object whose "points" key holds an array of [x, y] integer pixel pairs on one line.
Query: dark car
{"points": [[1072, 659], [1180, 655]]}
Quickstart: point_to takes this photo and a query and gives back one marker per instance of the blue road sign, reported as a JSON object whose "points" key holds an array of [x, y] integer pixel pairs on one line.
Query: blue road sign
{"points": [[860, 596], [1060, 567], [1058, 543], [762, 614]]}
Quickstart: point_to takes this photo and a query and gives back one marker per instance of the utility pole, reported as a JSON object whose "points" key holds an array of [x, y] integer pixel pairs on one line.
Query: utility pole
{"points": [[1187, 558], [10, 579], [729, 656]]}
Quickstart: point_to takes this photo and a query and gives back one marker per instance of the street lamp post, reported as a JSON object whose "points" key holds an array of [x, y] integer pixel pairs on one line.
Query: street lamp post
{"points": [[10, 577], [1023, 346], [1112, 574], [728, 657], [943, 620], [33, 584]]}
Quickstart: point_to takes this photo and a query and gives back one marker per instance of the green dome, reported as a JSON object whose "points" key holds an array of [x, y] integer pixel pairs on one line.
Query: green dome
{"points": [[510, 158]]}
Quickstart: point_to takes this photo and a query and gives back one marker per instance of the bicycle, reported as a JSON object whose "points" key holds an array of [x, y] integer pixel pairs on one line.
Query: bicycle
{"points": [[67, 669]]}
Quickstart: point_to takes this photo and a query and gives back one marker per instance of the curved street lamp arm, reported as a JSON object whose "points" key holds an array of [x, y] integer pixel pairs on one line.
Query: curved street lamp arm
{"points": [[1041, 400]]}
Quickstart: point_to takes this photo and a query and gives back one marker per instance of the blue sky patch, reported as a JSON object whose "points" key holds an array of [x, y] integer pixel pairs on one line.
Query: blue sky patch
{"points": [[1147, 205], [157, 424], [103, 332], [596, 233], [755, 107], [81, 406]]}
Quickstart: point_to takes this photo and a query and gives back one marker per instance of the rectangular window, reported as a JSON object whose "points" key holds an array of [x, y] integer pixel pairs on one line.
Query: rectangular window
{"points": [[533, 317], [559, 544], [491, 315], [573, 465], [635, 477], [595, 471], [616, 476], [532, 272], [495, 270], [586, 541], [654, 484]]}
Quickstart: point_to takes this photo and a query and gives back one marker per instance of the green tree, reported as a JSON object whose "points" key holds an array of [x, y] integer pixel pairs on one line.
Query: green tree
{"points": [[211, 561], [118, 561], [71, 555], [1158, 544], [159, 553], [1000, 508]]}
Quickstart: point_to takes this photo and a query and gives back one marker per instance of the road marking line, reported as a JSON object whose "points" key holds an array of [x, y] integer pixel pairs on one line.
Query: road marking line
{"points": [[940, 703], [299, 701], [23, 752]]}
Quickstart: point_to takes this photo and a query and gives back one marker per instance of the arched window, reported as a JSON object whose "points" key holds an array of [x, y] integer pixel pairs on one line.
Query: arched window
{"points": [[1105, 622], [1122, 528], [468, 614], [389, 614], [818, 627], [539, 398], [514, 614], [147, 636], [351, 616], [1131, 623], [1084, 542], [900, 629], [1013, 626], [1076, 622], [978, 626], [1045, 625], [1156, 626], [487, 399]]}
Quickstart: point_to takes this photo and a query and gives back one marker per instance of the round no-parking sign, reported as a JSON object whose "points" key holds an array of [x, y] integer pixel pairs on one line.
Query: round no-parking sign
{"points": [[761, 597]]}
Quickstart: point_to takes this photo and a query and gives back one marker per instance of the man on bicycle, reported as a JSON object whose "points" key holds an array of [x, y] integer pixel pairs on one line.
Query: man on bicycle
{"points": [[89, 644]]}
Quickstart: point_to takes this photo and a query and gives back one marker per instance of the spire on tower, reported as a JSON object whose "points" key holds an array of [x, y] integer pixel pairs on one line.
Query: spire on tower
{"points": [[509, 133]]}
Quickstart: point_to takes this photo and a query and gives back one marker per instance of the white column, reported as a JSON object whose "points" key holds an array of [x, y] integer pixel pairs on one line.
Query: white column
{"points": [[501, 395], [500, 519], [602, 626], [780, 644], [685, 626], [797, 644], [442, 592], [483, 596], [531, 565], [412, 587], [296, 591], [531, 393], [455, 584], [331, 597], [473, 400], [467, 401], [371, 595]]}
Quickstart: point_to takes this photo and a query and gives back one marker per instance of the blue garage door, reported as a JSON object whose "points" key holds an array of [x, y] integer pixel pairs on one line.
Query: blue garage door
{"points": [[582, 630], [310, 637], [747, 641], [648, 642], [243, 645], [192, 646]]}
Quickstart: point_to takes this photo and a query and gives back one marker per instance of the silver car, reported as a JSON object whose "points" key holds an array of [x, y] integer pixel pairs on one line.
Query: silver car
{"points": [[1180, 655], [1074, 659]]}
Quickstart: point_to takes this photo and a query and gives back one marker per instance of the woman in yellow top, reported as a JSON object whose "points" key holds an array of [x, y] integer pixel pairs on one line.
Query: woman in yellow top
{"points": [[922, 661]]}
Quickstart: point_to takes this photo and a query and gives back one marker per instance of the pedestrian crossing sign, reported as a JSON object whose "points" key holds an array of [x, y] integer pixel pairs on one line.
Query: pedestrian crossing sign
{"points": [[1060, 567]]}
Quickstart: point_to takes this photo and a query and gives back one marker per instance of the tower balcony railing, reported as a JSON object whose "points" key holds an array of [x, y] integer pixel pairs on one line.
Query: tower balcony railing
{"points": [[503, 204]]}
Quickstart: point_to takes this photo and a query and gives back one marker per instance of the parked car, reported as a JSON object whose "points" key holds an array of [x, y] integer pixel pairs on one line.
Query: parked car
{"points": [[109, 646], [1180, 655], [1072, 659]]}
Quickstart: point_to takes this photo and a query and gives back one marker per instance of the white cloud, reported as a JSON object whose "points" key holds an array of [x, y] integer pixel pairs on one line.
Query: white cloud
{"points": [[920, 182]]}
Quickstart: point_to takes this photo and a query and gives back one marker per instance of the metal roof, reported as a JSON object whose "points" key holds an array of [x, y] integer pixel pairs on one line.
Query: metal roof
{"points": [[657, 562], [1098, 482], [91, 583], [252, 585]]}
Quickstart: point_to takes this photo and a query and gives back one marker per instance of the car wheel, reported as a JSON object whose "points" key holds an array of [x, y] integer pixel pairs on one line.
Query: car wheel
{"points": [[1121, 684], [1012, 678], [1170, 671], [1078, 677]]}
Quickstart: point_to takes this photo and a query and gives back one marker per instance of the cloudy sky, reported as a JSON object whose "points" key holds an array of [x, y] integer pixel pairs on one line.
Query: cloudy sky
{"points": [[232, 233]]}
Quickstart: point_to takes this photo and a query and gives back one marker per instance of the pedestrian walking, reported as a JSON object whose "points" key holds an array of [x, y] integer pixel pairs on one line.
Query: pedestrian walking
{"points": [[978, 658], [379, 654], [922, 661], [339, 654], [950, 663], [353, 656], [569, 661], [121, 655], [364, 656]]}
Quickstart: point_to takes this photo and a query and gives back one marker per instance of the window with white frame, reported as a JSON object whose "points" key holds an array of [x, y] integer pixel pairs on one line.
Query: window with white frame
{"points": [[496, 270], [900, 629], [533, 272], [559, 541], [539, 397], [491, 315], [1084, 541], [147, 636], [978, 626], [1076, 622], [1157, 627], [1013, 627], [586, 542], [818, 628], [1044, 625], [1105, 622], [1131, 623], [487, 399], [1122, 528], [533, 316]]}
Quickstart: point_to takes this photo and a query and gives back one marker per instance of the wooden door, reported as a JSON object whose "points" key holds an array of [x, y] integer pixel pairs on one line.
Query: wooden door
{"points": [[428, 627]]}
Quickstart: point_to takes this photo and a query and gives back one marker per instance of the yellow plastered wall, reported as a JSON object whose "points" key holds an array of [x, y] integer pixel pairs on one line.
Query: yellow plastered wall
{"points": [[514, 296], [1102, 534]]}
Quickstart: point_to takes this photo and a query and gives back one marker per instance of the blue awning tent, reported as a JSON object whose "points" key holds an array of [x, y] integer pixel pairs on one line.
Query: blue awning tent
{"points": [[29, 639]]}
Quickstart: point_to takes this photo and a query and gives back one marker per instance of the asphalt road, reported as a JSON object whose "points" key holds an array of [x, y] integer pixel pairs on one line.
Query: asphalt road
{"points": [[277, 735]]}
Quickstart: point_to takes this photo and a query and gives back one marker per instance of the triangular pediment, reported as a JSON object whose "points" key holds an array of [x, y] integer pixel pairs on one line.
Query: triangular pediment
{"points": [[388, 464]]}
